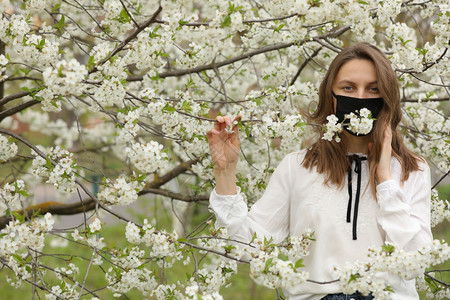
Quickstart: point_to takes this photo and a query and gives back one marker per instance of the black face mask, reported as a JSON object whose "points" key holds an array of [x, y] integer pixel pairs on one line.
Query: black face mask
{"points": [[346, 105]]}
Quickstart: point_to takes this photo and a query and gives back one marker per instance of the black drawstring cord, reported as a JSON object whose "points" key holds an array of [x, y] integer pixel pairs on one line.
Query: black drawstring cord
{"points": [[357, 159]]}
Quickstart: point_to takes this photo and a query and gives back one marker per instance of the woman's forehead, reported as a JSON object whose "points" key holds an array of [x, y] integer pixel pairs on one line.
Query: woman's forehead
{"points": [[356, 71]]}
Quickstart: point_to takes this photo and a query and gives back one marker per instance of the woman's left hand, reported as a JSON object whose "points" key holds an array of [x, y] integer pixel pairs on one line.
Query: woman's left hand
{"points": [[384, 167]]}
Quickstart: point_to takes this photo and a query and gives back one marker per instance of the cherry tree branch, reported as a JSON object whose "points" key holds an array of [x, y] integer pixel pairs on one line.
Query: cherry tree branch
{"points": [[13, 110], [13, 97], [129, 38], [250, 54]]}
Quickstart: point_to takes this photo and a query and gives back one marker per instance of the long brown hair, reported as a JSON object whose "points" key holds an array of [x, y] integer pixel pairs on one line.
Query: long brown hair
{"points": [[330, 158]]}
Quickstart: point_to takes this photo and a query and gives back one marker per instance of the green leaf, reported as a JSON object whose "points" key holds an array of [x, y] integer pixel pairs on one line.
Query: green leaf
{"points": [[90, 63], [253, 237], [278, 28], [226, 22], [23, 193], [353, 277], [268, 264], [56, 8], [60, 25], [18, 216], [48, 163], [388, 248], [283, 257], [228, 248], [186, 106], [18, 258], [124, 16], [169, 108], [299, 263]]}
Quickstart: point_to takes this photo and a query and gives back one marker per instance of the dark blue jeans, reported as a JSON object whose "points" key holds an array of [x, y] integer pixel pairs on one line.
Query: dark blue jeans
{"points": [[355, 296]]}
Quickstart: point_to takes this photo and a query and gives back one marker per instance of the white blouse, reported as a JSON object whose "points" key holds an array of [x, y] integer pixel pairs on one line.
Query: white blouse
{"points": [[297, 199]]}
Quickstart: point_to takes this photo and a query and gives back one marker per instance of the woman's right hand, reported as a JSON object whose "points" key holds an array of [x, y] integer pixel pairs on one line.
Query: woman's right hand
{"points": [[224, 145]]}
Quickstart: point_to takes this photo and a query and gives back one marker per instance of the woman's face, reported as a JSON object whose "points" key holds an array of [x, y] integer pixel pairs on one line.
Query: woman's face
{"points": [[357, 78]]}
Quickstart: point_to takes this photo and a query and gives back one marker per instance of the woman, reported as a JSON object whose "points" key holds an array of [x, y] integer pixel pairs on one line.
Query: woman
{"points": [[363, 191]]}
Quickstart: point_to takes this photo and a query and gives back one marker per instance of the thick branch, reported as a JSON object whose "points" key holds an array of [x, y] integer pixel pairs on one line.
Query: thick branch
{"points": [[304, 64], [196, 24], [13, 110], [176, 196], [160, 180], [57, 208], [215, 65], [13, 97]]}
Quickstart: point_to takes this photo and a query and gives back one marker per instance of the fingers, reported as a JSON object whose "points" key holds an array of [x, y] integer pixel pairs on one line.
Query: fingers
{"points": [[384, 168], [387, 138], [235, 127], [222, 122]]}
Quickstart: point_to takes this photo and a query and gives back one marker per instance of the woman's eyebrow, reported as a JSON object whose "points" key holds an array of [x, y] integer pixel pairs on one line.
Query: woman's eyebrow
{"points": [[346, 81]]}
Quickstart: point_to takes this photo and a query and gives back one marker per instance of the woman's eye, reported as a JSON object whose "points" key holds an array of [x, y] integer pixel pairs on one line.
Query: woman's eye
{"points": [[347, 88], [374, 89]]}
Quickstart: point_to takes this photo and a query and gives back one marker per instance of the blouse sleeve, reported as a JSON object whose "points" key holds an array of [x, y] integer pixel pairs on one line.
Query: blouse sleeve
{"points": [[404, 211], [268, 217]]}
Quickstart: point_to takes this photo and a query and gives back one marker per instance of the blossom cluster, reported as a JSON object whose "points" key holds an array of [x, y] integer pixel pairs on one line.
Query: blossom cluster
{"points": [[426, 117], [38, 50], [7, 149], [17, 238], [122, 191], [91, 239], [439, 209], [65, 77], [110, 92], [361, 122], [129, 272], [273, 270], [332, 129], [48, 101], [148, 157], [372, 276], [15, 28], [59, 167], [12, 195], [129, 127], [161, 244]]}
